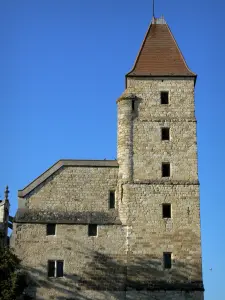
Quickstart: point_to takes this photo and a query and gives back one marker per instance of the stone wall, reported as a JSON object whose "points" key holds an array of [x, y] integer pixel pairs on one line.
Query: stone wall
{"points": [[143, 194], [151, 116], [72, 197], [150, 235], [90, 263], [74, 189], [164, 295]]}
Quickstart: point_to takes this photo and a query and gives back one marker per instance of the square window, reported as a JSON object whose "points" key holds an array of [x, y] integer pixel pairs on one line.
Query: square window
{"points": [[166, 210], [167, 260], [50, 229], [55, 268], [164, 98], [165, 170], [92, 230], [165, 134], [112, 199]]}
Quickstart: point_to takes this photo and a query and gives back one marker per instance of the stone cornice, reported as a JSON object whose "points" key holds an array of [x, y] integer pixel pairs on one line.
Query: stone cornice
{"points": [[25, 215], [167, 182], [69, 163], [167, 119]]}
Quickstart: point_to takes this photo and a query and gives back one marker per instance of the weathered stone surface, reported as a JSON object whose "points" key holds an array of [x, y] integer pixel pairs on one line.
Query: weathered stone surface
{"points": [[165, 295], [74, 189], [60, 217]]}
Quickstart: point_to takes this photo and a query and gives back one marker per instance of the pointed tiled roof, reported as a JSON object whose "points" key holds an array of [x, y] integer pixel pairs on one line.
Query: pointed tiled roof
{"points": [[159, 54]]}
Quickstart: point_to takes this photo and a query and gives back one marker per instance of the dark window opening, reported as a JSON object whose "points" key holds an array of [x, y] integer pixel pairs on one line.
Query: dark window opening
{"points": [[55, 268], [133, 105], [167, 260], [166, 209], [164, 97], [51, 229], [92, 229], [111, 199], [165, 134], [165, 170], [59, 268], [51, 268]]}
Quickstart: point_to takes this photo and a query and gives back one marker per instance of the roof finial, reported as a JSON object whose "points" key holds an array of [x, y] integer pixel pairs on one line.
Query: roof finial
{"points": [[7, 193], [153, 8]]}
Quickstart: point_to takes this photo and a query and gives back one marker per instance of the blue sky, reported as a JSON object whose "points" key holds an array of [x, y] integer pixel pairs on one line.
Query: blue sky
{"points": [[62, 69]]}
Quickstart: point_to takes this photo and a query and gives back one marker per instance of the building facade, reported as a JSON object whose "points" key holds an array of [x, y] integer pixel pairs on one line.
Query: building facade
{"points": [[129, 228]]}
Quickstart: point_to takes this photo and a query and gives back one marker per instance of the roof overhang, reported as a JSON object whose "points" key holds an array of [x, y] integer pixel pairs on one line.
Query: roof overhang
{"points": [[163, 77]]}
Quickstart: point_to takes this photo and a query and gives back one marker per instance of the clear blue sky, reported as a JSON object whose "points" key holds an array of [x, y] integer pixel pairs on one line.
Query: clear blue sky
{"points": [[62, 67]]}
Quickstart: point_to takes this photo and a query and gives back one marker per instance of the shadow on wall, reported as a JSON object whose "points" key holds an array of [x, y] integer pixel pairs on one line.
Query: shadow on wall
{"points": [[106, 274]]}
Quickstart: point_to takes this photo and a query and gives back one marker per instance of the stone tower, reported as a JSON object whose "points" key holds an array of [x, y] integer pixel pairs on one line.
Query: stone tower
{"points": [[127, 228], [158, 184]]}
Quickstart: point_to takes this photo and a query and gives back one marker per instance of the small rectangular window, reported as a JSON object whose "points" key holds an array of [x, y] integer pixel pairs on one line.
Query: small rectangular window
{"points": [[165, 134], [55, 268], [166, 210], [92, 229], [50, 229], [133, 105], [112, 199], [165, 170], [59, 268], [167, 260], [51, 268], [164, 97]]}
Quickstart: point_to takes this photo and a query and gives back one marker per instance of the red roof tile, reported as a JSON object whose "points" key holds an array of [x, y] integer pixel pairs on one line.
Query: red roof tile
{"points": [[159, 54]]}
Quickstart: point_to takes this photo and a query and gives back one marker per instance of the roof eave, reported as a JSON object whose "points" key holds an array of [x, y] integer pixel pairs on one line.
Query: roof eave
{"points": [[194, 76]]}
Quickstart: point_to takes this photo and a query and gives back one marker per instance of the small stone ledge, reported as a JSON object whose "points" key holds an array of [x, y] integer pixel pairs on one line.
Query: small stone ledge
{"points": [[167, 182], [25, 215], [169, 120]]}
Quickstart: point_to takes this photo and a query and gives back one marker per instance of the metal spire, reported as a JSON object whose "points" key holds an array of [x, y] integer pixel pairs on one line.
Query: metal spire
{"points": [[153, 8]]}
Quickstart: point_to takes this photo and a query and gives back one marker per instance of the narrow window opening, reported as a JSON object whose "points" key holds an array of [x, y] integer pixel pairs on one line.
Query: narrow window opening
{"points": [[51, 268], [133, 105], [112, 199], [164, 97], [166, 210], [50, 229], [165, 170], [165, 134], [59, 268], [167, 260], [92, 230]]}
